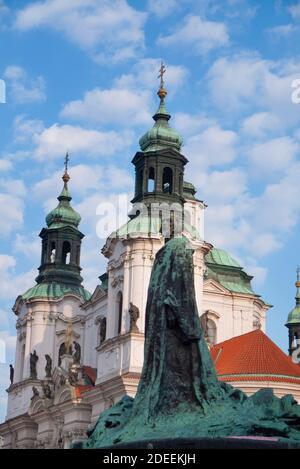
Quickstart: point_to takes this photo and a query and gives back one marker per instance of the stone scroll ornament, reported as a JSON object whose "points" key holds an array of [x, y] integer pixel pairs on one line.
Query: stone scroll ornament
{"points": [[179, 395]]}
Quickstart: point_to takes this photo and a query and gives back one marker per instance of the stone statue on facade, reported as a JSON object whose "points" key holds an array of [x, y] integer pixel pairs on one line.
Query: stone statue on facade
{"points": [[48, 367], [33, 365], [77, 353], [102, 330], [35, 392], [179, 395], [134, 314], [11, 374], [46, 390]]}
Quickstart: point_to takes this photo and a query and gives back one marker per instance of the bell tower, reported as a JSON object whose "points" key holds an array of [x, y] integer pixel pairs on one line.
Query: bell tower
{"points": [[159, 166], [293, 321], [61, 241]]}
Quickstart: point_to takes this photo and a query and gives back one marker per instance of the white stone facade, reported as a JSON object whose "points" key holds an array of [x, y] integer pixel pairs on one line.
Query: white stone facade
{"points": [[42, 324]]}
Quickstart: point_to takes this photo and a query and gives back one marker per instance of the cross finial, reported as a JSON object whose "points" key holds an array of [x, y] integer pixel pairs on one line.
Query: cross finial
{"points": [[162, 70], [298, 273], [66, 161]]}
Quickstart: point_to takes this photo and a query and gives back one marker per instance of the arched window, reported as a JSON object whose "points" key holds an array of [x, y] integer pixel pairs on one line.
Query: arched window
{"points": [[167, 180], [52, 252], [62, 351], [209, 329], [66, 251], [119, 311], [151, 180]]}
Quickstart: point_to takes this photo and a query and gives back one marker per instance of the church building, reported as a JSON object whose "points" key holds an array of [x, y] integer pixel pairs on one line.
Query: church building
{"points": [[78, 352]]}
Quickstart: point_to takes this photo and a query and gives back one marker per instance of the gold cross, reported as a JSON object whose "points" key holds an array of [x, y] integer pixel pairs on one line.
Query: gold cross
{"points": [[66, 161], [162, 70]]}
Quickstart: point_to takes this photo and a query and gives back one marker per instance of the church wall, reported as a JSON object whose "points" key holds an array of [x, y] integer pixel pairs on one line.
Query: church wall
{"points": [[279, 389], [234, 313], [92, 331]]}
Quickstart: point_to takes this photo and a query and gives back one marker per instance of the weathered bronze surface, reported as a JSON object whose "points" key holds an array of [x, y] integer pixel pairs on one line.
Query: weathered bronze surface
{"points": [[179, 395]]}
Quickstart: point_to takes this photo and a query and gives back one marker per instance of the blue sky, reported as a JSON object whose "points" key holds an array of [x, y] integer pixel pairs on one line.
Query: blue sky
{"points": [[81, 76]]}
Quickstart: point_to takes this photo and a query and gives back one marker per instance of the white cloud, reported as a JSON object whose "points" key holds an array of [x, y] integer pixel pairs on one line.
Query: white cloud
{"points": [[246, 81], [232, 182], [5, 165], [162, 8], [11, 213], [53, 141], [188, 124], [144, 76], [214, 146], [200, 35], [22, 88], [109, 31], [295, 10], [260, 124], [25, 128], [117, 106], [6, 262], [29, 245], [13, 284], [274, 155], [283, 30]]}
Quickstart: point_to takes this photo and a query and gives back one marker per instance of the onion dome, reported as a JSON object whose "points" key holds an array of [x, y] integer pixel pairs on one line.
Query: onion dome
{"points": [[63, 214], [189, 190], [161, 135], [294, 315]]}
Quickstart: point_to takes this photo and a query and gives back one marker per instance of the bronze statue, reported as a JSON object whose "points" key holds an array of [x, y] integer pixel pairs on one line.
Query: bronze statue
{"points": [[179, 396], [35, 392], [11, 374], [102, 330], [77, 353], [33, 363], [48, 367]]}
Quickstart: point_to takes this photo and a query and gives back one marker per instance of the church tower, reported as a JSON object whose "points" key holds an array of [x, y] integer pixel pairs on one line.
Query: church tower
{"points": [[158, 214], [61, 242], [46, 310], [293, 321], [159, 169]]}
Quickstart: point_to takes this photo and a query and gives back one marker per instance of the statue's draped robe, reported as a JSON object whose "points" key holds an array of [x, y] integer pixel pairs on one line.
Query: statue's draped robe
{"points": [[179, 394], [177, 363]]}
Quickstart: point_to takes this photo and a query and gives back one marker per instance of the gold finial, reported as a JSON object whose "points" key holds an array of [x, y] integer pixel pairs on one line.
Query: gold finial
{"points": [[66, 176], [298, 277], [162, 93]]}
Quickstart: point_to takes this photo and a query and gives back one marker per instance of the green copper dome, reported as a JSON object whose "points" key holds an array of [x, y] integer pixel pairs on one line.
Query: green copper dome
{"points": [[161, 135], [63, 214], [294, 315]]}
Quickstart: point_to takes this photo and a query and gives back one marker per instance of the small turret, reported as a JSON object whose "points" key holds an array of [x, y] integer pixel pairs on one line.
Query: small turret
{"points": [[293, 321]]}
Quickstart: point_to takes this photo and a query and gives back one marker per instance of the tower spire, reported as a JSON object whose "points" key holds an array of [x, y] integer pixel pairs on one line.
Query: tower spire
{"points": [[293, 321], [297, 285], [162, 93], [65, 194]]}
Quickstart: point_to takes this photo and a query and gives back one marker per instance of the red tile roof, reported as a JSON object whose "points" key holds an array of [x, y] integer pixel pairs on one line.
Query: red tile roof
{"points": [[253, 357], [89, 375]]}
